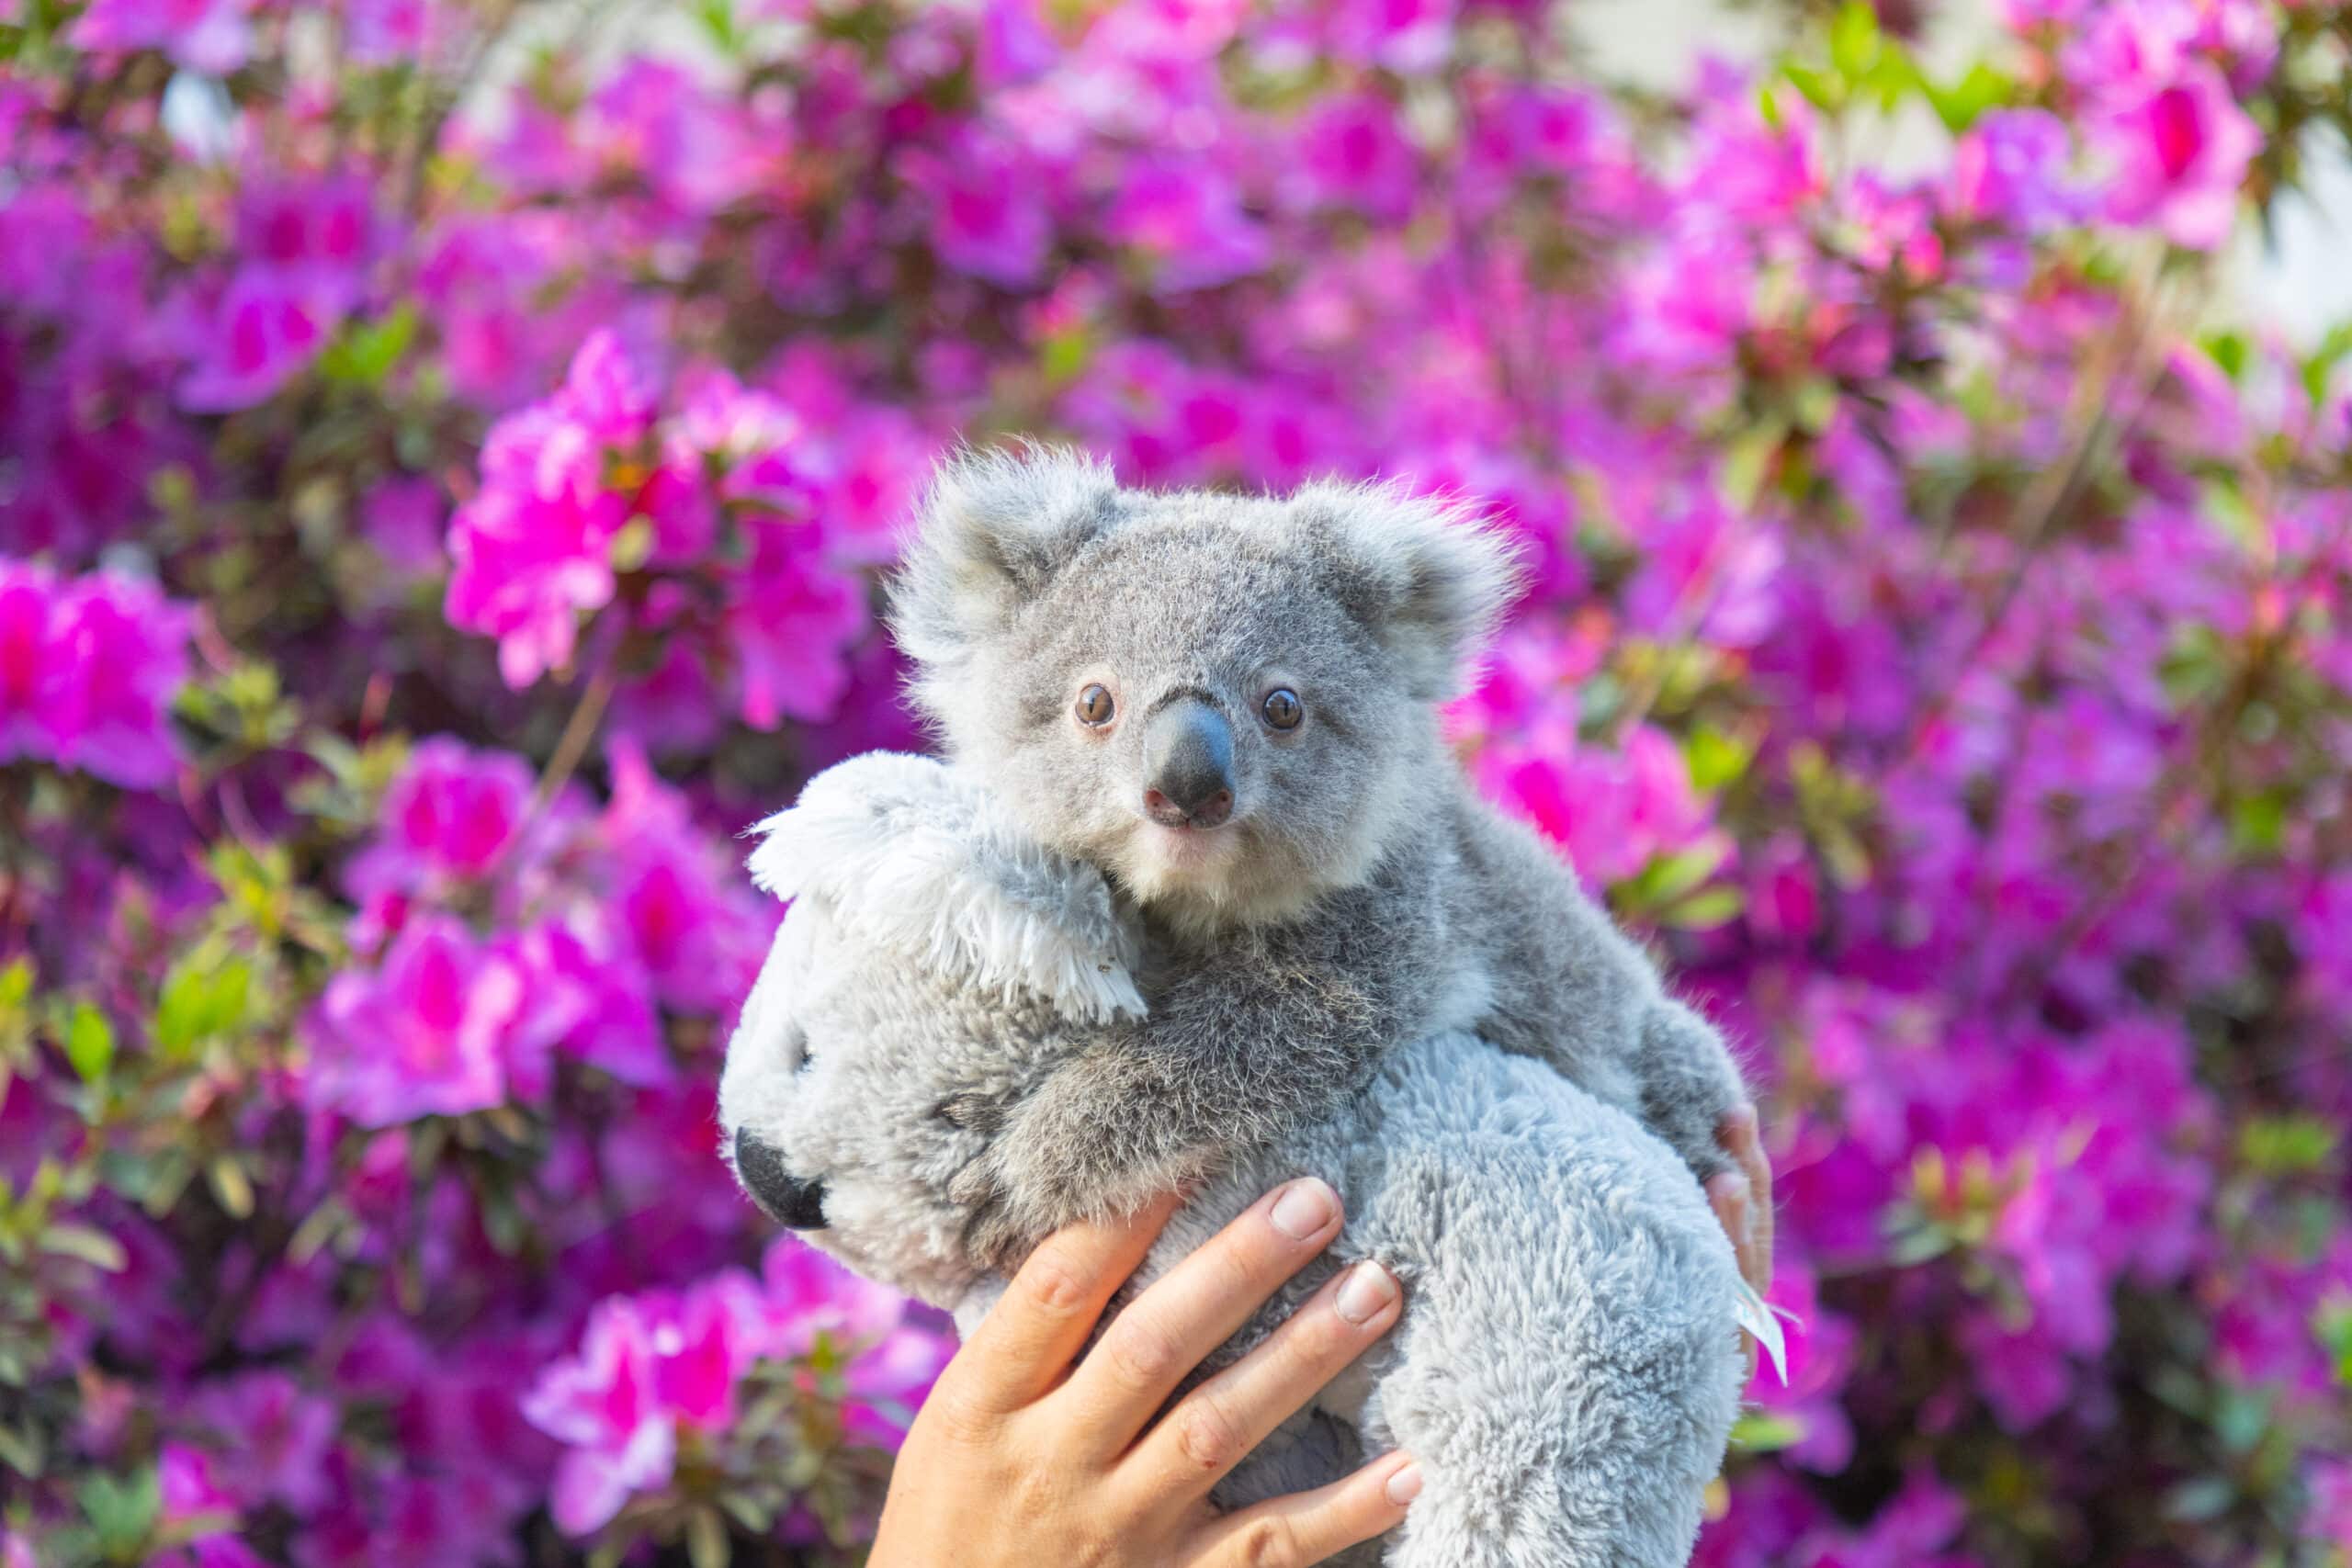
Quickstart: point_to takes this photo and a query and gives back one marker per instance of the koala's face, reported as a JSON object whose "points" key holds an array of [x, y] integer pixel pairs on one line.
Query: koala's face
{"points": [[1226, 703]]}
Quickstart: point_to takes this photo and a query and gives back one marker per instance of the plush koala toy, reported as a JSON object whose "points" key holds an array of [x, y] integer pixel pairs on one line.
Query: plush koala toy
{"points": [[1567, 1370], [1228, 705]]}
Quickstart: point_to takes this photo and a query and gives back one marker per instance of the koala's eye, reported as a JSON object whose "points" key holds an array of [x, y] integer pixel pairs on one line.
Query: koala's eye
{"points": [[1095, 707], [1282, 709]]}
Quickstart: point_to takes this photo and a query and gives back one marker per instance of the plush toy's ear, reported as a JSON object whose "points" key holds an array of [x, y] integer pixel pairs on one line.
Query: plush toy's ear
{"points": [[1422, 572], [993, 529]]}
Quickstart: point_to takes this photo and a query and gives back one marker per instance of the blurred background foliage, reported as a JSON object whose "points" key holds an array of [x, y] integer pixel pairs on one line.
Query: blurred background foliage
{"points": [[447, 451]]}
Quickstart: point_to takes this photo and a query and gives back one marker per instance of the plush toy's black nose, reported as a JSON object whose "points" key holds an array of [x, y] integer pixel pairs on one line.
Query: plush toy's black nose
{"points": [[1188, 766], [788, 1200]]}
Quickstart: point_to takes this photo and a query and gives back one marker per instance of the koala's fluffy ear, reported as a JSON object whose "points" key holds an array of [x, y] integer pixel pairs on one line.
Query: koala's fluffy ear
{"points": [[994, 528], [1423, 573]]}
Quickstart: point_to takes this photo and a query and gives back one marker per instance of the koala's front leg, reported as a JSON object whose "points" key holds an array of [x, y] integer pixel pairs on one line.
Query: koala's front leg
{"points": [[1231, 1055], [1688, 1084]]}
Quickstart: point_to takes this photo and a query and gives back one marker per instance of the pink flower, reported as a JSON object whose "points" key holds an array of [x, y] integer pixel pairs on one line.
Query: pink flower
{"points": [[403, 518], [190, 1494], [275, 1436], [1185, 214], [1406, 35], [982, 207], [266, 329], [88, 671], [2010, 167], [694, 932], [1352, 153], [533, 549], [2180, 153], [448, 819], [424, 1034], [601, 1405], [212, 36], [793, 622]]}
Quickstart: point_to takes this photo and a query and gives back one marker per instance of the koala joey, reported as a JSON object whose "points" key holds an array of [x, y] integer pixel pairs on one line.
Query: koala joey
{"points": [[1229, 706], [1567, 1370]]}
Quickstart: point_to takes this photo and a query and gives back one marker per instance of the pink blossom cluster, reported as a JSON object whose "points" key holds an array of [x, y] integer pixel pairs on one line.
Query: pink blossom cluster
{"points": [[603, 918], [1938, 644], [659, 1367], [739, 529], [88, 669]]}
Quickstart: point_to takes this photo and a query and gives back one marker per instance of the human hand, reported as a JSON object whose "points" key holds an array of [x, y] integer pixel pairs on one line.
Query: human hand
{"points": [[1742, 1200], [1020, 1457]]}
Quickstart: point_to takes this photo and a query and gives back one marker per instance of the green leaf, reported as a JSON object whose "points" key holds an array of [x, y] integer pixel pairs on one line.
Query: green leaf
{"points": [[71, 1238], [2205, 1497], [367, 352], [2228, 350], [1764, 1432], [2258, 822], [89, 1043], [205, 996], [1715, 759], [706, 1544], [1816, 87], [633, 546], [23, 1451], [120, 1512], [1706, 910], [1854, 39], [2285, 1146], [1669, 877], [16, 984], [231, 1187], [1966, 101]]}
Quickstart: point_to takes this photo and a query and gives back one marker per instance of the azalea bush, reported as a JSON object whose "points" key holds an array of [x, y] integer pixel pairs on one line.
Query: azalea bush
{"points": [[448, 449]]}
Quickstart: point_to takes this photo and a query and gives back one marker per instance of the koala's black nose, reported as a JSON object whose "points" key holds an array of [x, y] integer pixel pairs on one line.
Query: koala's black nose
{"points": [[789, 1202], [1188, 766]]}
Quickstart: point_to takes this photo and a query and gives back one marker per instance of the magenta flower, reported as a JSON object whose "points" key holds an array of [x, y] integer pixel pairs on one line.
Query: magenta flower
{"points": [[601, 1406], [793, 621], [986, 214], [448, 819], [212, 36], [404, 519], [695, 935], [88, 671], [276, 1438], [533, 549], [264, 331], [1405, 36], [424, 1034], [1352, 155], [2010, 168], [2180, 153], [1185, 216]]}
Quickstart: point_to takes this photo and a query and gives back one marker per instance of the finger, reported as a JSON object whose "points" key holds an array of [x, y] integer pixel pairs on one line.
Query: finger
{"points": [[1211, 1428], [1757, 1165], [1023, 1345], [1307, 1527], [1728, 1195], [1165, 1332]]}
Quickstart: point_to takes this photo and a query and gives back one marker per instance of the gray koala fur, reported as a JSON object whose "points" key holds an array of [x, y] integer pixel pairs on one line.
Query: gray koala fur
{"points": [[1567, 1370], [1362, 894]]}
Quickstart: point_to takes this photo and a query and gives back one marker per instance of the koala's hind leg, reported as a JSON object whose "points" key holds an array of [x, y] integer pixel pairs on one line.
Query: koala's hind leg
{"points": [[1568, 1367]]}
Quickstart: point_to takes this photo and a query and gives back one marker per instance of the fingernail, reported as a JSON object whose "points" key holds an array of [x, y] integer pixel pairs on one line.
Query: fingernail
{"points": [[1406, 1484], [1305, 1207], [1366, 1289], [1743, 1115]]}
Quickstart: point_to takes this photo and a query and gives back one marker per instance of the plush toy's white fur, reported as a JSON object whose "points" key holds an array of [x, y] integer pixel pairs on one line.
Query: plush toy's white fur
{"points": [[950, 883], [1566, 1370]]}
